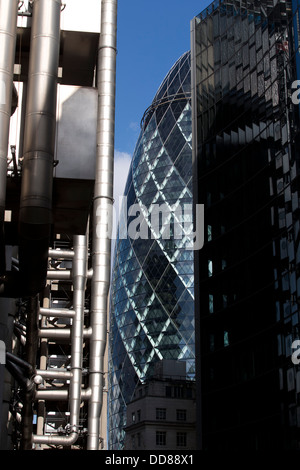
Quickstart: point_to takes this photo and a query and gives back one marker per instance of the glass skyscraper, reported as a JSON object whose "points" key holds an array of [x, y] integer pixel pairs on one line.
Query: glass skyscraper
{"points": [[152, 291], [247, 282]]}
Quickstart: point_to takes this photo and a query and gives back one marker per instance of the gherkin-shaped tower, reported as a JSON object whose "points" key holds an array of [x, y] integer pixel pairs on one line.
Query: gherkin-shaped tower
{"points": [[152, 291]]}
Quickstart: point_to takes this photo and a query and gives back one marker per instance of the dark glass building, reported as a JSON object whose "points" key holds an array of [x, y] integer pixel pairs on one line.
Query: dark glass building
{"points": [[152, 291], [247, 276]]}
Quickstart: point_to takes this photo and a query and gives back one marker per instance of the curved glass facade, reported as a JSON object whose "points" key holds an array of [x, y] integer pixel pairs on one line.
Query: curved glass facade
{"points": [[152, 293]]}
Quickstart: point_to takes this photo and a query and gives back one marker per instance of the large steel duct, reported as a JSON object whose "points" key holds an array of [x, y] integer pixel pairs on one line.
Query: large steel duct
{"points": [[39, 143], [8, 29], [102, 210]]}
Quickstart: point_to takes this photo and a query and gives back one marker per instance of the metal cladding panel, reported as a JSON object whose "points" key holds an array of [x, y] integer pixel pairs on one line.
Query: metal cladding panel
{"points": [[76, 16], [76, 133]]}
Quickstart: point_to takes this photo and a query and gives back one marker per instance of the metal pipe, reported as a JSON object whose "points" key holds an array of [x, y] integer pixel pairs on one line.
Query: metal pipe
{"points": [[79, 284], [58, 254], [52, 374], [102, 212], [64, 274], [24, 365], [43, 361], [59, 275], [54, 439], [39, 144], [31, 357], [8, 34], [62, 333], [57, 312], [59, 394]]}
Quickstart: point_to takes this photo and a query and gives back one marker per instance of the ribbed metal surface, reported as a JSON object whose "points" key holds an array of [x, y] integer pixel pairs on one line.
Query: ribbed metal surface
{"points": [[39, 143], [8, 27], [101, 255]]}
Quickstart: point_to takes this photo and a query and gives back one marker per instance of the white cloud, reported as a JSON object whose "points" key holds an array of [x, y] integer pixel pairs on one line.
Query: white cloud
{"points": [[134, 126], [121, 168]]}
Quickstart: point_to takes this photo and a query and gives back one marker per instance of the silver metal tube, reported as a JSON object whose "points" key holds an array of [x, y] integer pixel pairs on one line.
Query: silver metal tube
{"points": [[8, 30], [59, 394], [102, 212], [57, 312], [58, 254], [59, 275], [55, 333], [62, 374], [39, 145], [54, 439], [79, 284], [62, 333]]}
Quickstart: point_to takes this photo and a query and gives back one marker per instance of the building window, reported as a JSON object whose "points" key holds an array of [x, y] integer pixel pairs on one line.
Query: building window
{"points": [[161, 413], [211, 303], [226, 339], [209, 233], [161, 438], [133, 417], [139, 415], [168, 391], [181, 439], [178, 392], [210, 268], [139, 439], [181, 415]]}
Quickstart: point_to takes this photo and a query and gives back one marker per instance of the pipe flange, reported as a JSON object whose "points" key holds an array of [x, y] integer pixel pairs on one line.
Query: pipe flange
{"points": [[72, 429]]}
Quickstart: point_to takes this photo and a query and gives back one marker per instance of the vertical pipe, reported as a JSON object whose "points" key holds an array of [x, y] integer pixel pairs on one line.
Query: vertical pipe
{"points": [[102, 209], [41, 408], [31, 356], [8, 30], [39, 143], [79, 284]]}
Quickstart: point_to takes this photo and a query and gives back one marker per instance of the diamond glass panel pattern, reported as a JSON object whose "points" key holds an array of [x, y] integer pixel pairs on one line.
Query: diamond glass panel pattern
{"points": [[152, 302]]}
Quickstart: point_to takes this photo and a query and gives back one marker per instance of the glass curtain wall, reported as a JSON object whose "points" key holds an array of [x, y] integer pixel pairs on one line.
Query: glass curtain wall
{"points": [[152, 292], [247, 286]]}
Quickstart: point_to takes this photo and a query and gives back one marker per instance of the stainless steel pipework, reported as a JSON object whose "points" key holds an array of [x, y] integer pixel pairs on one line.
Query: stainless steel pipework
{"points": [[8, 33], [79, 283], [39, 145], [102, 212], [62, 333]]}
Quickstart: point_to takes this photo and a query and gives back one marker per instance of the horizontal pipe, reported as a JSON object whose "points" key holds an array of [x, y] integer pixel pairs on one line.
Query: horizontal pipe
{"points": [[64, 274], [61, 333], [58, 254], [57, 312], [59, 275], [54, 374], [54, 439], [60, 394]]}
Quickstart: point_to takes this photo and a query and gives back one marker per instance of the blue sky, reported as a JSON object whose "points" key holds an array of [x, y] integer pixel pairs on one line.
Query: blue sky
{"points": [[152, 35]]}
